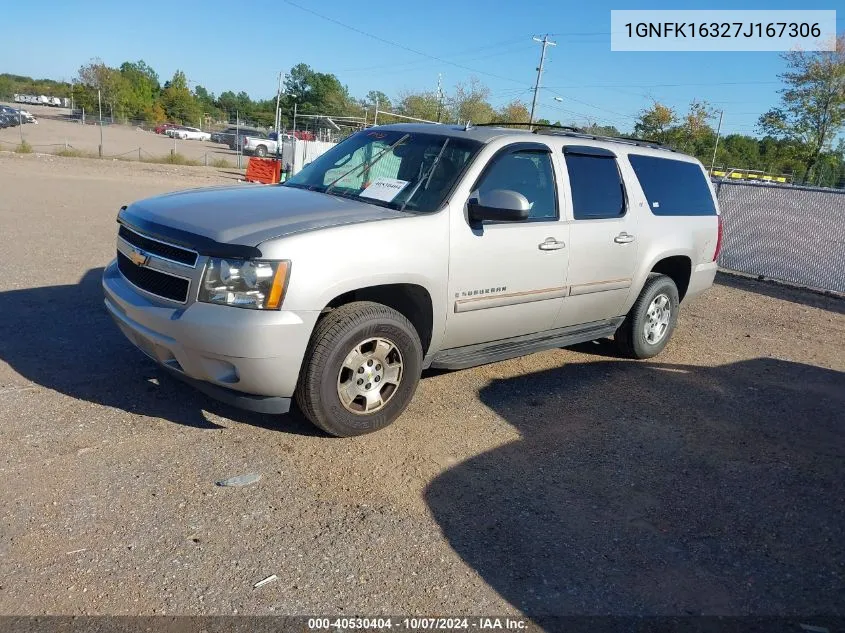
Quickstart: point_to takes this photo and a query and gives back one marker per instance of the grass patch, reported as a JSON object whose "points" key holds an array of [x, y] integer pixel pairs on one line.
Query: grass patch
{"points": [[171, 159], [221, 163], [70, 152], [24, 148]]}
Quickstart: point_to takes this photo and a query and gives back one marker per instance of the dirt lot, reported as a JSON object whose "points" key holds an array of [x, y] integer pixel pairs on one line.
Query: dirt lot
{"points": [[51, 135], [709, 480]]}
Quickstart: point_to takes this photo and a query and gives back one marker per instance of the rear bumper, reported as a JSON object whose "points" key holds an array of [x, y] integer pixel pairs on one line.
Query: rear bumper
{"points": [[700, 280], [250, 359]]}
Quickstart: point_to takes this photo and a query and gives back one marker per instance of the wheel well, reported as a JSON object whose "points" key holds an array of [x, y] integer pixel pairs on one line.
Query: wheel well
{"points": [[411, 300], [679, 269]]}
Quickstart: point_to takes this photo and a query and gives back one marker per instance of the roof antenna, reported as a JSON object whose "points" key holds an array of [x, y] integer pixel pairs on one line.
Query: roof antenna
{"points": [[468, 125]]}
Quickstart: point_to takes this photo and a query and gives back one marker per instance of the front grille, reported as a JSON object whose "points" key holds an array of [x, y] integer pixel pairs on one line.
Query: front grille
{"points": [[153, 281], [168, 251]]}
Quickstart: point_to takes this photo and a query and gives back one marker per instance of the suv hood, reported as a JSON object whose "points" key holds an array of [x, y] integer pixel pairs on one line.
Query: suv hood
{"points": [[251, 214]]}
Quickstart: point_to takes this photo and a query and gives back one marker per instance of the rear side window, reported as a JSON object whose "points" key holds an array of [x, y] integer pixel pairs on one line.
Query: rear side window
{"points": [[673, 187], [596, 186]]}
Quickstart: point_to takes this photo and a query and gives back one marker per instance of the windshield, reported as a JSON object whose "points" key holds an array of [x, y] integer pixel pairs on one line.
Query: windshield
{"points": [[401, 170]]}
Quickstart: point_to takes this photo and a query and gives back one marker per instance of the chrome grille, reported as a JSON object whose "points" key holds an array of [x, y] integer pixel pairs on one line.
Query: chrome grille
{"points": [[153, 281], [161, 249]]}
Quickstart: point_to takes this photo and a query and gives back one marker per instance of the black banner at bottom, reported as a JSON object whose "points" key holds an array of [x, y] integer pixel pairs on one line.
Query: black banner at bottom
{"points": [[417, 624]]}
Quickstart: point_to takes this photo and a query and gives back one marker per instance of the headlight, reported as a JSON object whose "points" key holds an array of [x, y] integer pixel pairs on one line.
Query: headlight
{"points": [[259, 285]]}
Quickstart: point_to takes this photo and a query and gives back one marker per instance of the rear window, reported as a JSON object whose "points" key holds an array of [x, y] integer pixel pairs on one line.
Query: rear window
{"points": [[673, 187], [596, 186]]}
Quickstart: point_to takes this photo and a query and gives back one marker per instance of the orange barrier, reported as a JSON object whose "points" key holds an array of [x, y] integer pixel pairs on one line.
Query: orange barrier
{"points": [[263, 170]]}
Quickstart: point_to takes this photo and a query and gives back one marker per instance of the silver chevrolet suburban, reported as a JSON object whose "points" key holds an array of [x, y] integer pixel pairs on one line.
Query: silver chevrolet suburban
{"points": [[412, 246]]}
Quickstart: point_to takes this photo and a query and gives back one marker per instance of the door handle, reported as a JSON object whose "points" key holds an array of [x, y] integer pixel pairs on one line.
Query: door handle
{"points": [[551, 244], [623, 238]]}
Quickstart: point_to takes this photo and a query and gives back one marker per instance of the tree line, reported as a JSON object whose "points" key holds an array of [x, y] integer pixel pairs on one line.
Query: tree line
{"points": [[134, 91], [802, 135]]}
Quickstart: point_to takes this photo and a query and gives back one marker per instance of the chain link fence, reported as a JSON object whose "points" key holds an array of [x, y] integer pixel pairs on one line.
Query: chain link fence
{"points": [[790, 233]]}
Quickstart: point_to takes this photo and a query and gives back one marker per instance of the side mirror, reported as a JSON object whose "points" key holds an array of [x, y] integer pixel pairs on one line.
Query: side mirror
{"points": [[499, 205]]}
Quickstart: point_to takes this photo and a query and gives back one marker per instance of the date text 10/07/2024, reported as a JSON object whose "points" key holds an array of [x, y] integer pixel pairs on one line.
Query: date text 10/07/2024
{"points": [[419, 623]]}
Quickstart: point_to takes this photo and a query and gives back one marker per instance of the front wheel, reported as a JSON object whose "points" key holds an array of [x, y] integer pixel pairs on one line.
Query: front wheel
{"points": [[652, 319], [361, 369]]}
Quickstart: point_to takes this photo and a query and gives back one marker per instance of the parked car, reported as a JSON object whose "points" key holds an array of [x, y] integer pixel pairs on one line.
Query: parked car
{"points": [[264, 146], [234, 137], [10, 117], [20, 116], [163, 127], [27, 117], [4, 121], [413, 246], [191, 134], [171, 131]]}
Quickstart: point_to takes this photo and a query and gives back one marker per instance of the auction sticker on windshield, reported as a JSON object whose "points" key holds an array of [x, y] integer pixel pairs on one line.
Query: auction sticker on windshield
{"points": [[385, 189]]}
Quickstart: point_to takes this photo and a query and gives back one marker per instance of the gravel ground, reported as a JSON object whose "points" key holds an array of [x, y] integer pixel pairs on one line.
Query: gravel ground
{"points": [[709, 480], [50, 135]]}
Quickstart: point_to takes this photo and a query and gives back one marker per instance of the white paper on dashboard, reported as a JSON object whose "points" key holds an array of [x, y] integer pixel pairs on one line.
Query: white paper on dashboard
{"points": [[384, 189]]}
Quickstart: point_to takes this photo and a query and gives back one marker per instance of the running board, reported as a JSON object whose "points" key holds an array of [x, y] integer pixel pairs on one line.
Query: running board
{"points": [[494, 351]]}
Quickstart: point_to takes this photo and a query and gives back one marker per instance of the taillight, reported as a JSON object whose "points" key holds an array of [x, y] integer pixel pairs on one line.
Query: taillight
{"points": [[718, 240]]}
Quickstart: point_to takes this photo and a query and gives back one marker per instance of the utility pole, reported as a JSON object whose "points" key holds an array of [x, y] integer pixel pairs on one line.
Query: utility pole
{"points": [[375, 116], [716, 146], [294, 118], [100, 104], [439, 95], [545, 42], [278, 111]]}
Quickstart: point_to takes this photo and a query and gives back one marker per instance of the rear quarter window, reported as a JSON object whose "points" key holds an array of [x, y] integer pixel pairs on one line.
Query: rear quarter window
{"points": [[673, 187]]}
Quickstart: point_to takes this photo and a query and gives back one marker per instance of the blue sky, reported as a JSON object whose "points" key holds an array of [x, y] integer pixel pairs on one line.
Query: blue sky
{"points": [[223, 45]]}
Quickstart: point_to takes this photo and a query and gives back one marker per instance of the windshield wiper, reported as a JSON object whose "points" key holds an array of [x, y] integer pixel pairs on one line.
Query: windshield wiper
{"points": [[366, 165], [425, 177]]}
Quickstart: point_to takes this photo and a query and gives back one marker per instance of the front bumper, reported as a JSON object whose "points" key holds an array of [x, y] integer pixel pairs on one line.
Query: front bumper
{"points": [[247, 358]]}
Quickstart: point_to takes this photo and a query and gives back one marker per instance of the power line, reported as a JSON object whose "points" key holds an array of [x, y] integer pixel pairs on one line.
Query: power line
{"points": [[502, 49], [397, 44], [419, 64], [591, 105]]}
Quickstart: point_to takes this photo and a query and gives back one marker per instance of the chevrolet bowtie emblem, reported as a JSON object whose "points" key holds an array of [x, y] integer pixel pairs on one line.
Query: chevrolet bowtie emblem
{"points": [[138, 257]]}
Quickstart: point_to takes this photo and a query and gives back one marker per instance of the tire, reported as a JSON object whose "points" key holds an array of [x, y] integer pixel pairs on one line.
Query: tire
{"points": [[331, 361], [632, 338], [261, 151]]}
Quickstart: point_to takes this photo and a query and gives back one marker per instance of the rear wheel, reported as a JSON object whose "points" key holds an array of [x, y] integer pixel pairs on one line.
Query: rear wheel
{"points": [[361, 369], [650, 322], [261, 151]]}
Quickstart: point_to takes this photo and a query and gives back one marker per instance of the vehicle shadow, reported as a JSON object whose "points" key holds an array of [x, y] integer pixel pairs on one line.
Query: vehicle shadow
{"points": [[643, 488], [62, 338]]}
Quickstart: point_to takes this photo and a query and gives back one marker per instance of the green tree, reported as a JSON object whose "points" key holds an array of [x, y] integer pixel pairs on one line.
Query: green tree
{"points": [[656, 123], [422, 105], [142, 87], [115, 92], [178, 101], [513, 112], [601, 130], [315, 92], [377, 97], [228, 102], [812, 109], [470, 102]]}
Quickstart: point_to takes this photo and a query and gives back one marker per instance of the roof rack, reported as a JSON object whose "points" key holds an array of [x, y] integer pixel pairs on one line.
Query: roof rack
{"points": [[574, 132], [526, 124], [630, 140]]}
